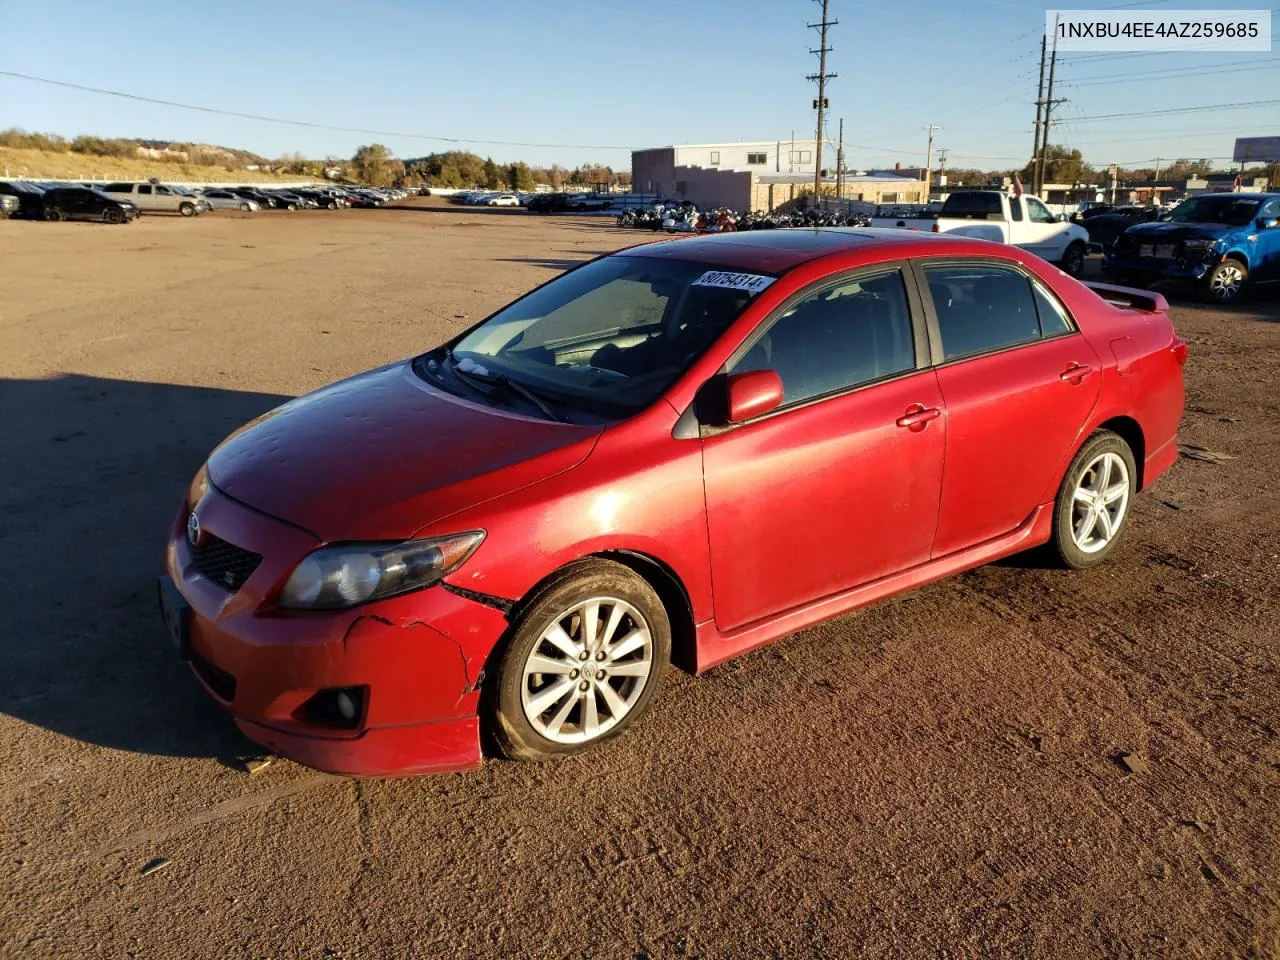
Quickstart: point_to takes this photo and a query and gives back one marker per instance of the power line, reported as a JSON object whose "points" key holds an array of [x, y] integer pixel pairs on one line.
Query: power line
{"points": [[1164, 75], [304, 123], [1179, 110]]}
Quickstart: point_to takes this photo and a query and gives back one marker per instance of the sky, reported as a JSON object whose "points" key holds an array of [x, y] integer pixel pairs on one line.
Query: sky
{"points": [[593, 80]]}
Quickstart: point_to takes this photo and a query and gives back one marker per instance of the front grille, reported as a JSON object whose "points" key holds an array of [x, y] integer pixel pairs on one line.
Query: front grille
{"points": [[224, 563]]}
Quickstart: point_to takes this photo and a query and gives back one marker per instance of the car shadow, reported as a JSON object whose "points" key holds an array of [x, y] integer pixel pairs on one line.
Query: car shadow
{"points": [[96, 469]]}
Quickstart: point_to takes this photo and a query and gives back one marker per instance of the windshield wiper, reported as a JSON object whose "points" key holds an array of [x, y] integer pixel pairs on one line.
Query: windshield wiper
{"points": [[501, 380]]}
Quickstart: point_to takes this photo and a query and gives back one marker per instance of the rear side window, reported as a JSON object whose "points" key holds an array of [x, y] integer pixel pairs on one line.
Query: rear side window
{"points": [[1053, 316], [118, 188], [837, 338], [981, 308]]}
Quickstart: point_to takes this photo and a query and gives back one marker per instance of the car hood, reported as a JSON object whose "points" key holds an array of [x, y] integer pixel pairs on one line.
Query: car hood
{"points": [[1170, 232], [383, 454]]}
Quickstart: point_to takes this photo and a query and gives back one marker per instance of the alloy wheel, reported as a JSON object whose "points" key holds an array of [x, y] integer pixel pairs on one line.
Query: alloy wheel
{"points": [[587, 670], [1226, 281], [1100, 502]]}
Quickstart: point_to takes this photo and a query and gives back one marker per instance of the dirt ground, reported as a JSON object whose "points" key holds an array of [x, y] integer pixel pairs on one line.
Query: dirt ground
{"points": [[936, 776]]}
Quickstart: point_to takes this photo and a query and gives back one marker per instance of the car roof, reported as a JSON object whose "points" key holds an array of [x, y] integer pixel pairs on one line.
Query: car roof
{"points": [[776, 251]]}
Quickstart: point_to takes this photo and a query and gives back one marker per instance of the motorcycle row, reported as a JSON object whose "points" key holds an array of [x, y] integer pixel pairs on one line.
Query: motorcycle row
{"points": [[686, 218]]}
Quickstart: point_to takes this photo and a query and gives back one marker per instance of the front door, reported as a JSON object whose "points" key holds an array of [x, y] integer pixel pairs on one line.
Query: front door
{"points": [[1046, 237], [1019, 382], [840, 485]]}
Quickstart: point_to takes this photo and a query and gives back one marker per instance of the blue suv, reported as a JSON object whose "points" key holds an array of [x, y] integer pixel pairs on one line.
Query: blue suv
{"points": [[1218, 241]]}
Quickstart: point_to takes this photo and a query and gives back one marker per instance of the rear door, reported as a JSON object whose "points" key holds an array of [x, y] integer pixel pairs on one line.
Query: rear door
{"points": [[1018, 381], [145, 198], [839, 486]]}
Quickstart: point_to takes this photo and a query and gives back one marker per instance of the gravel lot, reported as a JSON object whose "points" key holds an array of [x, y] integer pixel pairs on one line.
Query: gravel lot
{"points": [[938, 776]]}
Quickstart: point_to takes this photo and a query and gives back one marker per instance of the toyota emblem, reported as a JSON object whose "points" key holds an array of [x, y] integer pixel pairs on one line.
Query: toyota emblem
{"points": [[193, 529]]}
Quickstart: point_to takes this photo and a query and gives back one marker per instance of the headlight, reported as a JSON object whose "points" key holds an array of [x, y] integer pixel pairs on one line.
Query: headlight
{"points": [[198, 488], [1199, 246], [348, 574]]}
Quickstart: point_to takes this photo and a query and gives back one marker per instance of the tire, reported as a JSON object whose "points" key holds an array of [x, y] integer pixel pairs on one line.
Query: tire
{"points": [[112, 216], [1225, 282], [52, 214], [1093, 471], [293, 206], [244, 207], [186, 209], [1073, 259], [524, 716]]}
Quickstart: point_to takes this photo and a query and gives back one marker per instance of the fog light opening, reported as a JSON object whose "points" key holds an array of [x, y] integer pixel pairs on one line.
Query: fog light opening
{"points": [[337, 707]]}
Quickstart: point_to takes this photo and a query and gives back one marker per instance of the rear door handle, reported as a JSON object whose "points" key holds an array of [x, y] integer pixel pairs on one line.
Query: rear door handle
{"points": [[918, 416], [1075, 372]]}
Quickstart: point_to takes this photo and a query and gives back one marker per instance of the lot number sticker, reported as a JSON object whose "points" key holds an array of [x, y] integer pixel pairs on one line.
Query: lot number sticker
{"points": [[750, 282]]}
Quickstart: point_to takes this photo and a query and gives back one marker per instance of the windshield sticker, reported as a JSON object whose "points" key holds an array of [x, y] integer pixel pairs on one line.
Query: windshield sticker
{"points": [[750, 282]]}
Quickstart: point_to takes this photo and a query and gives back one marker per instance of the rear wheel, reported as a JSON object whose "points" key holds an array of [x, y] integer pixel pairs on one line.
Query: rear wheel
{"points": [[187, 209], [1091, 512], [1225, 282], [1073, 259], [582, 663]]}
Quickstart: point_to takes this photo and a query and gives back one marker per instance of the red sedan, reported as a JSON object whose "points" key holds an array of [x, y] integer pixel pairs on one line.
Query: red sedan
{"points": [[677, 452]]}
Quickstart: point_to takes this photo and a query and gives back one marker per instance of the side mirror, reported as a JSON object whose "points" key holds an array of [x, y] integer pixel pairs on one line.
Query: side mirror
{"points": [[1267, 223], [737, 397]]}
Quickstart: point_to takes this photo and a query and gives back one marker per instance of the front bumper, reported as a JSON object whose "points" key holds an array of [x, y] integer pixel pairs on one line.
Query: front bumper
{"points": [[419, 656], [1153, 269]]}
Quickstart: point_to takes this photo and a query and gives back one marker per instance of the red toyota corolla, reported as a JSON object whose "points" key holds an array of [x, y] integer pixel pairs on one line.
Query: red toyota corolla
{"points": [[677, 452]]}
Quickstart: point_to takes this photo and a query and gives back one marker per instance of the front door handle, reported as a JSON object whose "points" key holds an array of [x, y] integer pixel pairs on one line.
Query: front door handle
{"points": [[918, 416], [1075, 372]]}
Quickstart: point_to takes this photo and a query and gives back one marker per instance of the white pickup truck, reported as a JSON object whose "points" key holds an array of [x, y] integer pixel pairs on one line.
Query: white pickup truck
{"points": [[1022, 221]]}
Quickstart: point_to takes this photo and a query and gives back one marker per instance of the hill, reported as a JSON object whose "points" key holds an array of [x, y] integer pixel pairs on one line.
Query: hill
{"points": [[65, 165]]}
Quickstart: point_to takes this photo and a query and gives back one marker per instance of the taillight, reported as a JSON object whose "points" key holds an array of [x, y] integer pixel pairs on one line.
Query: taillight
{"points": [[1179, 349]]}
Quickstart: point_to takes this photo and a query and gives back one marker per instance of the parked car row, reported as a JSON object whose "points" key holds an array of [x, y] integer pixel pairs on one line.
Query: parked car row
{"points": [[491, 198], [123, 201]]}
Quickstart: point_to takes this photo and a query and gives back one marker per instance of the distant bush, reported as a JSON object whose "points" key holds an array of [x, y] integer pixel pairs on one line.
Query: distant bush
{"points": [[19, 139]]}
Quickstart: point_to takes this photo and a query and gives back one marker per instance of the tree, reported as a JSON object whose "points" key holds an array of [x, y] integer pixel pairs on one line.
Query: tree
{"points": [[492, 175], [519, 176], [374, 165], [1062, 165]]}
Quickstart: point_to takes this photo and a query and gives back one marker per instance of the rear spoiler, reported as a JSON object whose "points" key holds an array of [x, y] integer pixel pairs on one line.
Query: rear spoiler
{"points": [[1129, 297]]}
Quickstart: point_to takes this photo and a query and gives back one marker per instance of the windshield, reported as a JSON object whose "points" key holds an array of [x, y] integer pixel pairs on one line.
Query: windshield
{"points": [[614, 333], [1229, 209]]}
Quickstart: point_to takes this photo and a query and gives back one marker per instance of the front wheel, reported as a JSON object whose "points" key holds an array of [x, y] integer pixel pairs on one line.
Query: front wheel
{"points": [[112, 216], [187, 210], [1091, 512], [1073, 259], [581, 664], [244, 207], [1225, 282], [52, 214]]}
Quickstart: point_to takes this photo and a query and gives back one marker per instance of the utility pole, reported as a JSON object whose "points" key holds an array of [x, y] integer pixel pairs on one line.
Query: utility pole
{"points": [[928, 161], [942, 166], [821, 103], [840, 164], [1035, 148], [1049, 104]]}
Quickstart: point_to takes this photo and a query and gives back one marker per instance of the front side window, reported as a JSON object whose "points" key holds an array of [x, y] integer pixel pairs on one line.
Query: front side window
{"points": [[163, 191], [614, 333], [981, 307], [839, 337], [1037, 212]]}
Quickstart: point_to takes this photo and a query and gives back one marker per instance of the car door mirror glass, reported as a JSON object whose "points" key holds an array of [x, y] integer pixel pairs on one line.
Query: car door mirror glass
{"points": [[1268, 223]]}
